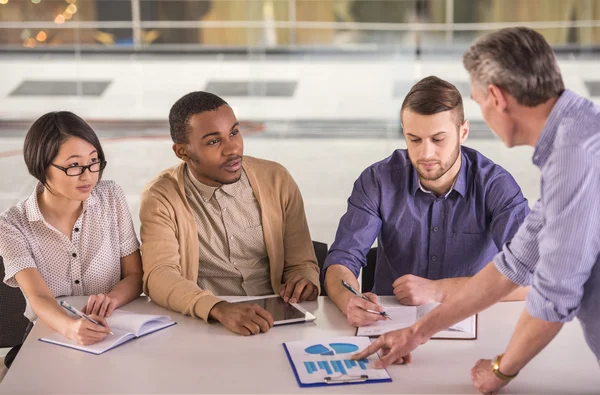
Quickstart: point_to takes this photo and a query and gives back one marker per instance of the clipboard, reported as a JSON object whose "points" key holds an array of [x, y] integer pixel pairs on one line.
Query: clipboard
{"points": [[332, 379]]}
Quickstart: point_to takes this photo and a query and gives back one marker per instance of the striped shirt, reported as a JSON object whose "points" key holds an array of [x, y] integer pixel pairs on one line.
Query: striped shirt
{"points": [[557, 249]]}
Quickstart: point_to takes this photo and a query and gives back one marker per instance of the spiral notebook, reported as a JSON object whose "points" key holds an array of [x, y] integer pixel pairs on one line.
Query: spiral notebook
{"points": [[125, 325]]}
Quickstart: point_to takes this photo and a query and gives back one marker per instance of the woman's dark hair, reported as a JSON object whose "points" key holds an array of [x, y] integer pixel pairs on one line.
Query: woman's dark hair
{"points": [[47, 134]]}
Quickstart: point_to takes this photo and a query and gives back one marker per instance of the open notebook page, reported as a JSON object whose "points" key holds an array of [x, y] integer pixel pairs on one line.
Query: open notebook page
{"points": [[401, 317], [110, 341], [405, 316], [468, 325], [140, 324]]}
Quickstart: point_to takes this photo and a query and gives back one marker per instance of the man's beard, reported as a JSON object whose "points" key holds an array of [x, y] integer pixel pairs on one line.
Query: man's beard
{"points": [[442, 169]]}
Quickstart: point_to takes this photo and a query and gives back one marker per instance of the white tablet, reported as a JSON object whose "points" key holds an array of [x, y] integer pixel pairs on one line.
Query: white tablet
{"points": [[282, 312]]}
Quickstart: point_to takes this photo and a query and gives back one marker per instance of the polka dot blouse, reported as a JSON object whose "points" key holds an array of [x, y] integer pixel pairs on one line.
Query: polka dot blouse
{"points": [[89, 262]]}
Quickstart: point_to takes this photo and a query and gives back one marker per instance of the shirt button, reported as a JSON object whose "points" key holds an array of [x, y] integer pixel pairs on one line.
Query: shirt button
{"points": [[435, 229], [230, 237], [76, 229], [433, 258], [74, 255], [76, 281], [225, 209]]}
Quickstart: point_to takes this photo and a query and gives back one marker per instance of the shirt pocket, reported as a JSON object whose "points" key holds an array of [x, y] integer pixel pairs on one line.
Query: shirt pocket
{"points": [[250, 216]]}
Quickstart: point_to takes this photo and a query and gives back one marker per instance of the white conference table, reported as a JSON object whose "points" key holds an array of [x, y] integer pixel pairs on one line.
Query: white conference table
{"points": [[195, 357]]}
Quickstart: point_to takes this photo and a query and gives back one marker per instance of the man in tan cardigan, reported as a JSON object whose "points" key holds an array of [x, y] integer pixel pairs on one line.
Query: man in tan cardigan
{"points": [[221, 223]]}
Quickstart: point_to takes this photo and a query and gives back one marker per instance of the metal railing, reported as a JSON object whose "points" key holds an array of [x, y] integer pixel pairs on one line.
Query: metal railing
{"points": [[291, 24]]}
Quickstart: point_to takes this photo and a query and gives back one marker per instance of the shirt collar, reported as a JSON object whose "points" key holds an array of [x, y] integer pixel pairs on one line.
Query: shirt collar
{"points": [[459, 185], [32, 207], [543, 147], [207, 192], [235, 189]]}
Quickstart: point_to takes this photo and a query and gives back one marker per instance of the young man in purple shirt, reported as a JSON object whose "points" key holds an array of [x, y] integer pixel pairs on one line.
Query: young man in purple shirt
{"points": [[439, 211]]}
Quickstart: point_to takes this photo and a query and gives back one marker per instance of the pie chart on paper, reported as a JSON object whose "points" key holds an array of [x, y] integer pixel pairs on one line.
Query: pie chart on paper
{"points": [[331, 349]]}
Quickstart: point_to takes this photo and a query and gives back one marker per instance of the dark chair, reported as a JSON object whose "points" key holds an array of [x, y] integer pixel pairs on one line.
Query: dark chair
{"points": [[12, 321], [321, 253], [368, 272]]}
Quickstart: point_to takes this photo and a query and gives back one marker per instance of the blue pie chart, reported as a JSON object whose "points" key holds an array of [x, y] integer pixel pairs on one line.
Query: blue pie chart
{"points": [[333, 349]]}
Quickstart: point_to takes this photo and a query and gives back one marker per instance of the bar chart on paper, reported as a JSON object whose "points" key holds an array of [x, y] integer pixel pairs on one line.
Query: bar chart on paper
{"points": [[342, 365], [317, 362]]}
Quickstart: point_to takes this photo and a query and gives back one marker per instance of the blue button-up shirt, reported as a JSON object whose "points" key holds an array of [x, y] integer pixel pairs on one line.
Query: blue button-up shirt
{"points": [[419, 233], [557, 249]]}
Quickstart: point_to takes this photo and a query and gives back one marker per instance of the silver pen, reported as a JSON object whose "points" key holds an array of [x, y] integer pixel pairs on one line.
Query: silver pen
{"points": [[355, 292], [79, 313]]}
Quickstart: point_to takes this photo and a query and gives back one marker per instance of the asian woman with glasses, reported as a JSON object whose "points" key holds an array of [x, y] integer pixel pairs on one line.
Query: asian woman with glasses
{"points": [[74, 235]]}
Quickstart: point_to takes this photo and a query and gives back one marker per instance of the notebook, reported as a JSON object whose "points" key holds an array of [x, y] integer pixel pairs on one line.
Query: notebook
{"points": [[322, 362], [405, 316], [125, 326]]}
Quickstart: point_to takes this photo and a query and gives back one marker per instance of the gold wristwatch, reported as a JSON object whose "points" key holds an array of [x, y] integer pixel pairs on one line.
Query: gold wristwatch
{"points": [[498, 373]]}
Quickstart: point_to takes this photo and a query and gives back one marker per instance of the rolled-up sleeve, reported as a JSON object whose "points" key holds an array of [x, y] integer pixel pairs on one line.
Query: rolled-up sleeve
{"points": [[359, 226], [558, 244], [570, 239], [520, 255]]}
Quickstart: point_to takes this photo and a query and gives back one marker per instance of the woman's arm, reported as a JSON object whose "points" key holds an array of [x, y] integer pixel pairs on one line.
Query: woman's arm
{"points": [[44, 305], [126, 290]]}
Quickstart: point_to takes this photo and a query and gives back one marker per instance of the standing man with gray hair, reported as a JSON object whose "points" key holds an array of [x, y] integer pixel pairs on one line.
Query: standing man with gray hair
{"points": [[517, 83]]}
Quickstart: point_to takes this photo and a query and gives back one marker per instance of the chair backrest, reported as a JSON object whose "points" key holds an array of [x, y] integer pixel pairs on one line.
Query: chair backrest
{"points": [[321, 253], [12, 321], [368, 272]]}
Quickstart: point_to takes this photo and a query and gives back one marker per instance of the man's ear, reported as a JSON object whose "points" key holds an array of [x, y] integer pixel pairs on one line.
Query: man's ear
{"points": [[464, 131], [181, 151], [498, 97]]}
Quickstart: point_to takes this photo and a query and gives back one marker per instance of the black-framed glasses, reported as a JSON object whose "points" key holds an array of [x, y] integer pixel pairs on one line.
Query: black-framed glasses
{"points": [[74, 171]]}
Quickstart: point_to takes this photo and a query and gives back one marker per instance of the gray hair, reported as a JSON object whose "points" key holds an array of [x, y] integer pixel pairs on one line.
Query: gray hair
{"points": [[518, 60]]}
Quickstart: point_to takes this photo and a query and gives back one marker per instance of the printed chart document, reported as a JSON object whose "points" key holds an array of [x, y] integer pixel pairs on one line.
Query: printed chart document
{"points": [[405, 316], [125, 326], [321, 362]]}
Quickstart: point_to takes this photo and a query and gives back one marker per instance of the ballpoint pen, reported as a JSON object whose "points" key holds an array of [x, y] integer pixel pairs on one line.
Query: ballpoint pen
{"points": [[355, 292], [79, 313]]}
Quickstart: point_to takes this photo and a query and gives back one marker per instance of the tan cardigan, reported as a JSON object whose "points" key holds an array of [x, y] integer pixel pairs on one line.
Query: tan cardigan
{"points": [[170, 249]]}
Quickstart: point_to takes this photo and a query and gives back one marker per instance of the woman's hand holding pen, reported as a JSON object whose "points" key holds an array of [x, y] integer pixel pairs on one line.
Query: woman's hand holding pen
{"points": [[356, 310], [85, 332]]}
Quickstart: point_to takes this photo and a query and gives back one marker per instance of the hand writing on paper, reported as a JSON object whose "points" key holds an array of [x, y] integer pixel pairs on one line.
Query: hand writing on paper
{"points": [[414, 290], [101, 304], [298, 289], [356, 310], [395, 348], [484, 379], [85, 332], [242, 318]]}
